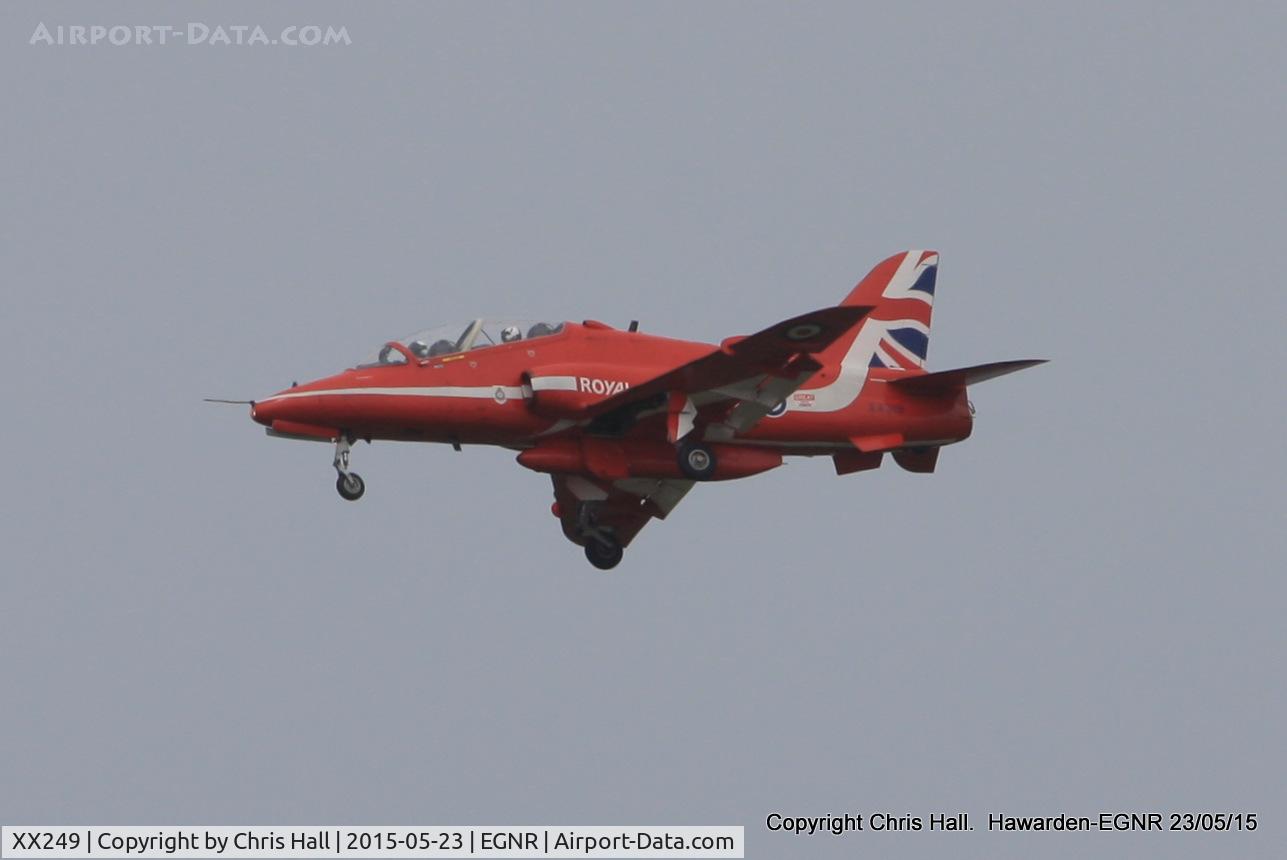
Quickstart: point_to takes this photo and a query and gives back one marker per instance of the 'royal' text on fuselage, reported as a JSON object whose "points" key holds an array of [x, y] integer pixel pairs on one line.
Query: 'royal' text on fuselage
{"points": [[605, 387]]}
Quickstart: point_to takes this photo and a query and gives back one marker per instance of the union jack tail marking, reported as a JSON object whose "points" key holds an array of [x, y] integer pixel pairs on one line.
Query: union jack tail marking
{"points": [[896, 333]]}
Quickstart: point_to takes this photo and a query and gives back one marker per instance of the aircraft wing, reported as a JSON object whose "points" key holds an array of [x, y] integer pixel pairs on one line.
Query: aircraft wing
{"points": [[756, 372], [620, 508]]}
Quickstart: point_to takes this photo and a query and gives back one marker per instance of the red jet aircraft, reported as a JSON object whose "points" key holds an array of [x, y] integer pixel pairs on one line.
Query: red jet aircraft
{"points": [[625, 422]]}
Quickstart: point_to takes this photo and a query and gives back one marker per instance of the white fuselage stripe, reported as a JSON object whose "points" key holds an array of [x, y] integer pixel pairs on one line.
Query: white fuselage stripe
{"points": [[554, 383], [481, 391]]}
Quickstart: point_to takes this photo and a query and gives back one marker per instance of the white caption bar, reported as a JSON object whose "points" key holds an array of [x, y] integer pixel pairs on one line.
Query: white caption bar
{"points": [[386, 842]]}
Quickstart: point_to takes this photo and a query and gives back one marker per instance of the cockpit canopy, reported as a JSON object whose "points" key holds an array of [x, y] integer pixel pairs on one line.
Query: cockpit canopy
{"points": [[449, 339]]}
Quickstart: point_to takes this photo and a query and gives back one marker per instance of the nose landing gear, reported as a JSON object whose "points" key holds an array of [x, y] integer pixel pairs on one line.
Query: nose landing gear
{"points": [[348, 484]]}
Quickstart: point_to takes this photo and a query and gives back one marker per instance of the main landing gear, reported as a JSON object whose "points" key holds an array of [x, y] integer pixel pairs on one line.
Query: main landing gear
{"points": [[696, 461], [348, 484], [603, 551]]}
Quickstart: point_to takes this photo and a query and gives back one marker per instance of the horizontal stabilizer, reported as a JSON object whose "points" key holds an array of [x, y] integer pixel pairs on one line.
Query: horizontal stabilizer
{"points": [[951, 380]]}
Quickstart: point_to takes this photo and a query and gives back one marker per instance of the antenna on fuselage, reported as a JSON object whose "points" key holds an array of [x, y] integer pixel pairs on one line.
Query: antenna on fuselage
{"points": [[634, 325]]}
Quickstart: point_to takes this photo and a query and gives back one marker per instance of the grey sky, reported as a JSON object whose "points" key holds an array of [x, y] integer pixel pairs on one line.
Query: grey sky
{"points": [[1081, 611]]}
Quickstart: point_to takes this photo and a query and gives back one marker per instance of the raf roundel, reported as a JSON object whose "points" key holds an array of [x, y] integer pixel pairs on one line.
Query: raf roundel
{"points": [[803, 331]]}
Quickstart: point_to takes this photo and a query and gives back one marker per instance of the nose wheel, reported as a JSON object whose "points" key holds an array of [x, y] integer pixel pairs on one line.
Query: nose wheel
{"points": [[348, 484]]}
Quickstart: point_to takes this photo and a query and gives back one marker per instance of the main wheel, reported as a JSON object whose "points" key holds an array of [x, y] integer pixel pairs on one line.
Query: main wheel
{"points": [[697, 461], [604, 556], [350, 486]]}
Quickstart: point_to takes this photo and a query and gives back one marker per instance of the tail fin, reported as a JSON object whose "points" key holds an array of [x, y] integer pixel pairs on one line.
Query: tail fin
{"points": [[895, 334]]}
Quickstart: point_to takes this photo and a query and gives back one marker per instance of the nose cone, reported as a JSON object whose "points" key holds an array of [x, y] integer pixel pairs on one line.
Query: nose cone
{"points": [[284, 405], [298, 411], [263, 412]]}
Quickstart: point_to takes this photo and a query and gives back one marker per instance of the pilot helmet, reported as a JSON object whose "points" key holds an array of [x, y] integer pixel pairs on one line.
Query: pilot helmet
{"points": [[510, 333], [419, 348]]}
